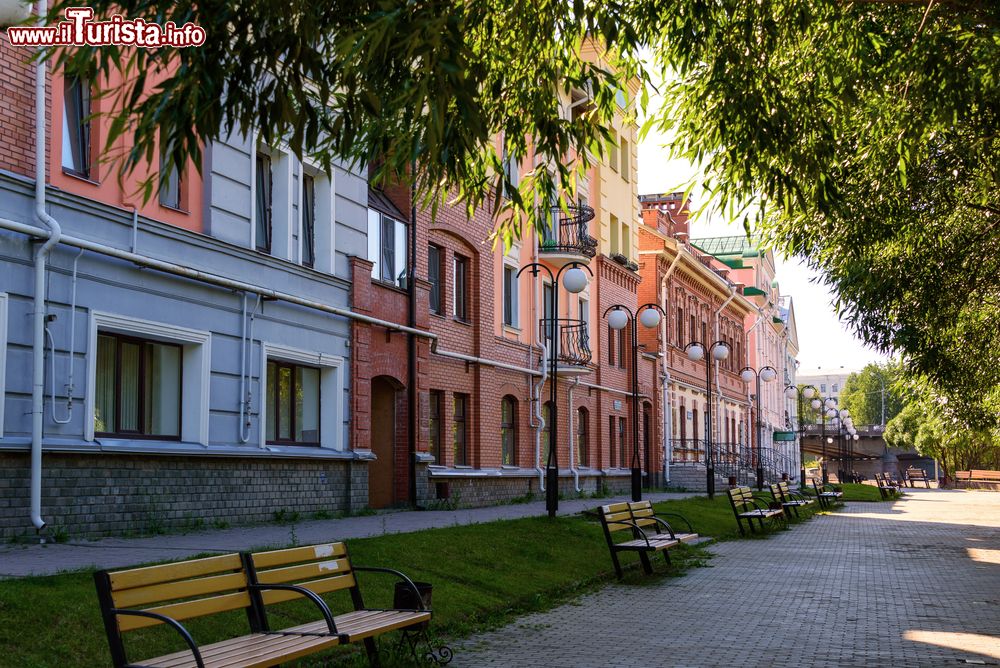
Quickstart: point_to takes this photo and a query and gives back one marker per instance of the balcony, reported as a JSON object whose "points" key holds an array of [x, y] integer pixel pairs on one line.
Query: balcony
{"points": [[574, 345], [567, 239]]}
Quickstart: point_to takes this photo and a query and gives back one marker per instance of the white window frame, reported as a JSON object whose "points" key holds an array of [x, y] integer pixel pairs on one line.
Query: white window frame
{"points": [[3, 356], [196, 364], [282, 174], [325, 218], [515, 299], [331, 392]]}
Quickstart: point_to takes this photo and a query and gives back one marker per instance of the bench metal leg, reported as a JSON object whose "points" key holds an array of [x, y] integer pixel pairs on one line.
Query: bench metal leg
{"points": [[647, 567], [617, 565], [372, 649]]}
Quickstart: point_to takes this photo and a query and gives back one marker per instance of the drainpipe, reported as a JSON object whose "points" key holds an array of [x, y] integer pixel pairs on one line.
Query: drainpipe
{"points": [[536, 398], [668, 448], [718, 388], [38, 315], [569, 430]]}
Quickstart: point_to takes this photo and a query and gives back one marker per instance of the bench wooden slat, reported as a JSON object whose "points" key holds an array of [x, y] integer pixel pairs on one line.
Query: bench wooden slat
{"points": [[296, 555], [170, 591], [324, 586], [187, 610], [150, 575], [304, 571], [254, 651]]}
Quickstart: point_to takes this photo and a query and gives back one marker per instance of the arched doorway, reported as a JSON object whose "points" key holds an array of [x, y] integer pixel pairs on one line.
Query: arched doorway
{"points": [[384, 434]]}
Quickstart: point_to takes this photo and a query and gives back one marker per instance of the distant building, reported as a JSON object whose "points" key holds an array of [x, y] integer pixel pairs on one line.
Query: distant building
{"points": [[828, 382]]}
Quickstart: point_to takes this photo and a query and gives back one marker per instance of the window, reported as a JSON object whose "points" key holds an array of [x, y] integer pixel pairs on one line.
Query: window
{"points": [[3, 354], [822, 388], [625, 159], [621, 346], [264, 194], [680, 327], [613, 151], [694, 426], [308, 220], [138, 387], [434, 426], [611, 346], [693, 330], [684, 422], [835, 388], [170, 189], [292, 403], [546, 431], [459, 429], [461, 305], [508, 431], [434, 255], [611, 441], [622, 459], [511, 169], [76, 127], [614, 235], [626, 241], [585, 316], [582, 427], [510, 296], [387, 248]]}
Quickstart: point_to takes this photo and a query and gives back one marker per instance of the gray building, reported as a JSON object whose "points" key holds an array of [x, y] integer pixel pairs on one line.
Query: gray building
{"points": [[181, 387]]}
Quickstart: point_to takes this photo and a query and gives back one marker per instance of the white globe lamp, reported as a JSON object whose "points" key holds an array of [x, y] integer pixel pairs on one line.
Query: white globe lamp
{"points": [[575, 280], [746, 375], [617, 319], [696, 352], [720, 352], [650, 318]]}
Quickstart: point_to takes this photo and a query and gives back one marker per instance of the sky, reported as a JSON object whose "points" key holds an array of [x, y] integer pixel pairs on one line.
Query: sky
{"points": [[824, 341]]}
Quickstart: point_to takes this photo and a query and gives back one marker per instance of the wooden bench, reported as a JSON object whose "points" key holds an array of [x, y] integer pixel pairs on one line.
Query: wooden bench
{"points": [[887, 488], [747, 508], [171, 594], [825, 494], [790, 501], [649, 533], [984, 477], [914, 475]]}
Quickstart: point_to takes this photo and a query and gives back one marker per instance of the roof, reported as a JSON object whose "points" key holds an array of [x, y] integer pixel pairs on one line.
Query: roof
{"points": [[734, 245], [380, 202]]}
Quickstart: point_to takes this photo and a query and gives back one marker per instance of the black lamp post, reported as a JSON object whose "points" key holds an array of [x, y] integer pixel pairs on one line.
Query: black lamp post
{"points": [[575, 281], [767, 374], [805, 392], [619, 318], [720, 351], [829, 410]]}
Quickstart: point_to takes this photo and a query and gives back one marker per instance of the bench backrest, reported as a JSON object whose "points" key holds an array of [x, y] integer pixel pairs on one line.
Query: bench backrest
{"points": [[321, 569], [627, 516], [984, 475], [740, 497], [780, 490], [916, 473]]}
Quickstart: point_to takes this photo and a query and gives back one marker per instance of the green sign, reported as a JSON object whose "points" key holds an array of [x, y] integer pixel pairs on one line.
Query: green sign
{"points": [[784, 436]]}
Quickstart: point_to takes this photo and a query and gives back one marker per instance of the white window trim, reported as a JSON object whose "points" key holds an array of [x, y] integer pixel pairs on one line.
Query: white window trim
{"points": [[331, 391], [196, 364], [325, 216], [282, 173], [3, 356]]}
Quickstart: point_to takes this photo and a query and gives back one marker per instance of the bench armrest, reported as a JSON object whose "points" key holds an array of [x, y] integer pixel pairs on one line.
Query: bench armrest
{"points": [[637, 528], [311, 595], [173, 623], [665, 525], [401, 576], [682, 518]]}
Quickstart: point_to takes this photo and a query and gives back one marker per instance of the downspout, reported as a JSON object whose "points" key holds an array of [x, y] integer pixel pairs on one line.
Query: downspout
{"points": [[411, 347], [718, 333], [668, 427], [38, 315], [746, 345], [569, 430], [539, 423]]}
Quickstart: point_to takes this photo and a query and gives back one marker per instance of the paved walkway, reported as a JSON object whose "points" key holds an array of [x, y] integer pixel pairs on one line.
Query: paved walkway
{"points": [[914, 583], [23, 560]]}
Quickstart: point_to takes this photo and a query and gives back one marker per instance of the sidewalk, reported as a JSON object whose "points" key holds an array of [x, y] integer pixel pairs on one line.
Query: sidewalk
{"points": [[23, 560]]}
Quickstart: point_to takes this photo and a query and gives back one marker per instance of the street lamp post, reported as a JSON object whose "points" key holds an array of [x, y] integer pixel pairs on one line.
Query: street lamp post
{"points": [[720, 351], [767, 374], [618, 317], [574, 281], [806, 392], [828, 412]]}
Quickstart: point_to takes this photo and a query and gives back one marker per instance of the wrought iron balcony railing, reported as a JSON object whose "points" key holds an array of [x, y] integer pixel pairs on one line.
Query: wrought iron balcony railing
{"points": [[574, 340], [569, 233]]}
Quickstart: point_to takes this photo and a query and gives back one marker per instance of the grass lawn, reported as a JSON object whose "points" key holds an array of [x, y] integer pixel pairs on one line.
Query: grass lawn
{"points": [[483, 575]]}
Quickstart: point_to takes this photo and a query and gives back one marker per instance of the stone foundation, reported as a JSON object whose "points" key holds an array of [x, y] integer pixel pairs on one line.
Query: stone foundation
{"points": [[90, 496], [474, 492]]}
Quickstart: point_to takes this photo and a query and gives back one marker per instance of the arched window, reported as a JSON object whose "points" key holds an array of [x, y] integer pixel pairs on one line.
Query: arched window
{"points": [[582, 428], [546, 431], [508, 431]]}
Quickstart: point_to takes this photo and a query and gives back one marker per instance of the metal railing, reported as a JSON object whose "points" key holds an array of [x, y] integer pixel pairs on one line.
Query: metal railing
{"points": [[737, 461], [574, 340], [572, 235]]}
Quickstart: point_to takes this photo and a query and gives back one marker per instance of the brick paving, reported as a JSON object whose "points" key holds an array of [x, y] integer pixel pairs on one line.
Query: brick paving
{"points": [[913, 583], [24, 560]]}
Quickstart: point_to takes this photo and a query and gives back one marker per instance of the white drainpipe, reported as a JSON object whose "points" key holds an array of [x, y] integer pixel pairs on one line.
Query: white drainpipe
{"points": [[38, 315]]}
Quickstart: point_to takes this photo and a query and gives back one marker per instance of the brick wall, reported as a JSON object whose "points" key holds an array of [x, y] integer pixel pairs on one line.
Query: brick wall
{"points": [[106, 494], [473, 492], [17, 112]]}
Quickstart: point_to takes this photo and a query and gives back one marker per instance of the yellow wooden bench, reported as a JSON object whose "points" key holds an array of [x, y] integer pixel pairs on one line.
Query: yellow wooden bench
{"points": [[649, 532], [790, 501], [747, 508], [170, 594], [324, 569]]}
